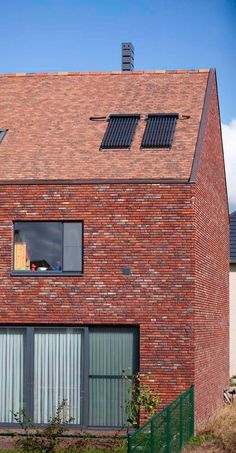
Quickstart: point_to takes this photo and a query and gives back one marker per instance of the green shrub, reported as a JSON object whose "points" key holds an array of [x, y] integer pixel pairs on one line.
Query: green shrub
{"points": [[46, 440], [140, 396], [202, 438]]}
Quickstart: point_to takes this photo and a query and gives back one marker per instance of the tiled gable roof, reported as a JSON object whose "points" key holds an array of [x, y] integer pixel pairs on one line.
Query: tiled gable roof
{"points": [[233, 237], [50, 134]]}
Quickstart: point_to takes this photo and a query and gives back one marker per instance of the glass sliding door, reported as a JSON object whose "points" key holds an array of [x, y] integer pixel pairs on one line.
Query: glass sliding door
{"points": [[57, 372], [42, 366], [111, 356], [11, 373]]}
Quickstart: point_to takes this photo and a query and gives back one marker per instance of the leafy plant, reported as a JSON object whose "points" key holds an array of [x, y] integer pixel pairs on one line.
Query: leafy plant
{"points": [[202, 438], [46, 440], [141, 397]]}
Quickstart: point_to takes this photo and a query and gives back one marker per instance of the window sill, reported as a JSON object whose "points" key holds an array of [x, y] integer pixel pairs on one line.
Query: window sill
{"points": [[45, 274]]}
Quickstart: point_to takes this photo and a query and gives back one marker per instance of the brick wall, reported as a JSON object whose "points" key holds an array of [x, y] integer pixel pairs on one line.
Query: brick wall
{"points": [[178, 262], [232, 317], [212, 272], [148, 228]]}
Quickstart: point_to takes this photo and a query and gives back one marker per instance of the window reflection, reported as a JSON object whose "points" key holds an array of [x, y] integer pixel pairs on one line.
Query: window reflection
{"points": [[38, 246]]}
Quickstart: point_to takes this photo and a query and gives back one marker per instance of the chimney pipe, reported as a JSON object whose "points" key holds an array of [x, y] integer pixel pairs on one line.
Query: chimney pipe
{"points": [[127, 56]]}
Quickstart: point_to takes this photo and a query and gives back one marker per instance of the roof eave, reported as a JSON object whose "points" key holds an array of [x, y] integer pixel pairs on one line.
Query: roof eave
{"points": [[93, 181]]}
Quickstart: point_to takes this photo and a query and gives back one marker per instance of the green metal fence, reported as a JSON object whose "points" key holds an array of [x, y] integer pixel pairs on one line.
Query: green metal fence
{"points": [[168, 430]]}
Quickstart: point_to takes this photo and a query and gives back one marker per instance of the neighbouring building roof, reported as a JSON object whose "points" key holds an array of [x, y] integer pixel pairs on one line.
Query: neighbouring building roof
{"points": [[233, 237], [51, 136]]}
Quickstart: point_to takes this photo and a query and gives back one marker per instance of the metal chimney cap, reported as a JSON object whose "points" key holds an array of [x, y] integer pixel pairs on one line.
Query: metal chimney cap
{"points": [[127, 45]]}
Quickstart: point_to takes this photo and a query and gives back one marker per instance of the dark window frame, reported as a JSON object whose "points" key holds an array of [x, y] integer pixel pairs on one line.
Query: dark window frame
{"points": [[48, 273], [28, 392]]}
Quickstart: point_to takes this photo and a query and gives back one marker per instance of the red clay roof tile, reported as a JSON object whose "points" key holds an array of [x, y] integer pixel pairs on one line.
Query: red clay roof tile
{"points": [[50, 135]]}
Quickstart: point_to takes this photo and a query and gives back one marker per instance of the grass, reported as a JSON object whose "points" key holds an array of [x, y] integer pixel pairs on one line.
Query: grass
{"points": [[202, 439], [219, 436], [79, 449], [65, 451]]}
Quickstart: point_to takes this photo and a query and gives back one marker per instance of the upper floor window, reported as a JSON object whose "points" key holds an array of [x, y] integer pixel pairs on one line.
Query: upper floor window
{"points": [[48, 247]]}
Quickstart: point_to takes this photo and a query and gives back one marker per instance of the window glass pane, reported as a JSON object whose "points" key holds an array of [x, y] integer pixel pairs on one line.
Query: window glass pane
{"points": [[72, 233], [37, 246], [111, 355], [72, 256], [107, 398], [57, 372], [72, 245], [11, 373], [111, 352], [72, 259]]}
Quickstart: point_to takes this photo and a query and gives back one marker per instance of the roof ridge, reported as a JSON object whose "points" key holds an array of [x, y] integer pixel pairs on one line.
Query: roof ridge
{"points": [[97, 73]]}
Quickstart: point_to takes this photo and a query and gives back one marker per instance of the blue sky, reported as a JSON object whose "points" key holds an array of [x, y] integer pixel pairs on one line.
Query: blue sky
{"points": [[86, 35]]}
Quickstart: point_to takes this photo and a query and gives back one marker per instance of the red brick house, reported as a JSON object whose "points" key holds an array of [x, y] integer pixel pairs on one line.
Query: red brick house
{"points": [[113, 248]]}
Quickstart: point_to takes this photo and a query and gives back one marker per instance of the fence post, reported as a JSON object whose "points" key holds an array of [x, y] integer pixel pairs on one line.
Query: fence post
{"points": [[181, 425], [191, 410], [129, 443], [168, 433], [152, 438]]}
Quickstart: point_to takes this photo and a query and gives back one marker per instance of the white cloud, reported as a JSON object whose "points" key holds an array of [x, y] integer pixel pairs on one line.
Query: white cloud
{"points": [[229, 141]]}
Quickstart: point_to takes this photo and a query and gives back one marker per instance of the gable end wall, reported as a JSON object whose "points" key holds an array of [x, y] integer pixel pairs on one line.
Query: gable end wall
{"points": [[212, 271]]}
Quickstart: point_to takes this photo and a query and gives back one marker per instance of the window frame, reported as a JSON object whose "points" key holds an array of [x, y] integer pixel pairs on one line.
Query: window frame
{"points": [[136, 361], [48, 273], [28, 387]]}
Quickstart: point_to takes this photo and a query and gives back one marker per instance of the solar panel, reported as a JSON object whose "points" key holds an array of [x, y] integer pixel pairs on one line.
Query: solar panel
{"points": [[2, 134], [159, 131], [120, 131]]}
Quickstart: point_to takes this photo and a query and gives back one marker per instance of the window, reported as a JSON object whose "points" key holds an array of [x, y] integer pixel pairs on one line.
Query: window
{"points": [[12, 363], [57, 372], [2, 134], [159, 131], [48, 247], [111, 356], [39, 367], [120, 131]]}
